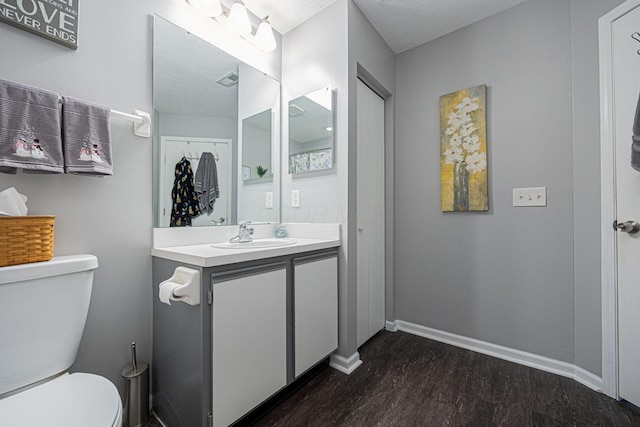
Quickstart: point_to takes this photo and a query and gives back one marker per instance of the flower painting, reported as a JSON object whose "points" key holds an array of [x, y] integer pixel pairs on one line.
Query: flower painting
{"points": [[463, 150]]}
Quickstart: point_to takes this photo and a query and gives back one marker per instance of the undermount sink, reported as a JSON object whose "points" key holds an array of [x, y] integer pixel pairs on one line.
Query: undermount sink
{"points": [[258, 243]]}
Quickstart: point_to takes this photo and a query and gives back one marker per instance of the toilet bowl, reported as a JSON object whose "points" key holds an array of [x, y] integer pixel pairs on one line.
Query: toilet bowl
{"points": [[43, 309]]}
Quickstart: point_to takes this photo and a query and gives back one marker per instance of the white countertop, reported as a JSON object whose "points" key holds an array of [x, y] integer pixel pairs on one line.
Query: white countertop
{"points": [[204, 255]]}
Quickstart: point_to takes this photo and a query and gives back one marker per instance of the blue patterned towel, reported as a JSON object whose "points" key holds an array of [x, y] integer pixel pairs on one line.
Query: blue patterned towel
{"points": [[29, 129], [87, 138]]}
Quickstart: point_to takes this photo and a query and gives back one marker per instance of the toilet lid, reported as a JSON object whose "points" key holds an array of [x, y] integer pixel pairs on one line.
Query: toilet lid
{"points": [[71, 400]]}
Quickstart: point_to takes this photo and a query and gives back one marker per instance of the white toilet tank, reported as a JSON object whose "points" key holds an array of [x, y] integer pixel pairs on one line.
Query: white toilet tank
{"points": [[43, 309]]}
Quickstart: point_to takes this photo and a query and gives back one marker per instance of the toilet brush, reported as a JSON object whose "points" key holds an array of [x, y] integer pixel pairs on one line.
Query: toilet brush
{"points": [[136, 407]]}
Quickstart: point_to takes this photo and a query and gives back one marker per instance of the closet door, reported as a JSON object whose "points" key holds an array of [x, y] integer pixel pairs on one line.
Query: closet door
{"points": [[371, 226]]}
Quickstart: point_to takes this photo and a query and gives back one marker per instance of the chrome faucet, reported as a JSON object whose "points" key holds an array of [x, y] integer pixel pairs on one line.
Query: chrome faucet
{"points": [[214, 222], [244, 233]]}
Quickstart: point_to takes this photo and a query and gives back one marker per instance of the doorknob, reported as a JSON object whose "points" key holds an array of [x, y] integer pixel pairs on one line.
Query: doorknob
{"points": [[361, 228], [631, 227]]}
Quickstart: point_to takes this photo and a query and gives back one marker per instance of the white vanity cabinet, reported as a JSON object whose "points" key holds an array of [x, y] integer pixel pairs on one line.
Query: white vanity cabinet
{"points": [[315, 302], [249, 340]]}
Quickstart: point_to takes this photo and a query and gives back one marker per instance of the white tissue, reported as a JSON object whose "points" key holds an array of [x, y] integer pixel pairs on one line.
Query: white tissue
{"points": [[12, 203]]}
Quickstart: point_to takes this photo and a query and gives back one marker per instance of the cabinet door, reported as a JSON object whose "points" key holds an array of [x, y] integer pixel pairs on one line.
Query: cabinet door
{"points": [[315, 311], [249, 343]]}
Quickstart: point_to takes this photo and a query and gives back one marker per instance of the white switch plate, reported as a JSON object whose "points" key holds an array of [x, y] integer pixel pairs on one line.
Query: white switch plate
{"points": [[534, 196], [295, 198], [268, 201]]}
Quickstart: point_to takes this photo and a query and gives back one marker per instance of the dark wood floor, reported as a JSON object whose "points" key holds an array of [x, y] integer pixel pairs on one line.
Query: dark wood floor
{"points": [[411, 381]]}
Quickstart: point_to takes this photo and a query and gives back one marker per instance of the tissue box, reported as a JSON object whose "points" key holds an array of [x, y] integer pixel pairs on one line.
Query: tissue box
{"points": [[25, 239]]}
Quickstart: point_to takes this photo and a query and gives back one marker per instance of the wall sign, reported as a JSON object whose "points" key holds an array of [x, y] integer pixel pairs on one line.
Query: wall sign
{"points": [[56, 20]]}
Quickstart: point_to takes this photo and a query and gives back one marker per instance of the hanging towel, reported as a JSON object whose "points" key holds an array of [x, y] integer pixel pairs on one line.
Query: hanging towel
{"points": [[635, 141], [185, 202], [29, 129], [207, 183], [87, 138]]}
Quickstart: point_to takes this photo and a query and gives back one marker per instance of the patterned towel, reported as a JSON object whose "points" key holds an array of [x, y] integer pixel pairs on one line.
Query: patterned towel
{"points": [[87, 138], [635, 140], [29, 129]]}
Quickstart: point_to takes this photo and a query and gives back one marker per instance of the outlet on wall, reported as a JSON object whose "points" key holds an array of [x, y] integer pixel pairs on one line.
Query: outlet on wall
{"points": [[295, 198], [268, 202], [534, 196]]}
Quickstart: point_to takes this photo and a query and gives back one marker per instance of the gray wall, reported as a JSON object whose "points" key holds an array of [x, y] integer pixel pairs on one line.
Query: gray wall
{"points": [[109, 217], [586, 179], [504, 276]]}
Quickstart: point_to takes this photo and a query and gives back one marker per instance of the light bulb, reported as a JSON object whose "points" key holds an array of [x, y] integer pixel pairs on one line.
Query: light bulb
{"points": [[210, 8], [265, 40], [238, 20]]}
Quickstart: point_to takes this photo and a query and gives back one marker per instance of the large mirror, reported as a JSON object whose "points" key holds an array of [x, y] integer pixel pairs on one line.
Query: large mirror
{"points": [[213, 114], [311, 132]]}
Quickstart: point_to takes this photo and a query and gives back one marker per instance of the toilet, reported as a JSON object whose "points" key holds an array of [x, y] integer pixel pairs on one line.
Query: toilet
{"points": [[43, 309]]}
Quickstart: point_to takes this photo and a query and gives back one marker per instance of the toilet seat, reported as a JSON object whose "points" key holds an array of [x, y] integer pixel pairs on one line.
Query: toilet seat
{"points": [[70, 400]]}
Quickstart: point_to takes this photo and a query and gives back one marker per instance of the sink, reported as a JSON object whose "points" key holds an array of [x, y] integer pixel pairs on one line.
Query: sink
{"points": [[254, 244]]}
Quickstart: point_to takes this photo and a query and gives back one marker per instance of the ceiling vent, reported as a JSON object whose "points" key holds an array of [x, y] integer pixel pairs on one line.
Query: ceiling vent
{"points": [[229, 79], [294, 110]]}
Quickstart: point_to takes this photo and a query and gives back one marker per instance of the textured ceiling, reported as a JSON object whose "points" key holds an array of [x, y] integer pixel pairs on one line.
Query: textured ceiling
{"points": [[285, 15], [404, 24]]}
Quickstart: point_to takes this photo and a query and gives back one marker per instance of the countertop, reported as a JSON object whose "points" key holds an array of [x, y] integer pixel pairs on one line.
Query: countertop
{"points": [[204, 255]]}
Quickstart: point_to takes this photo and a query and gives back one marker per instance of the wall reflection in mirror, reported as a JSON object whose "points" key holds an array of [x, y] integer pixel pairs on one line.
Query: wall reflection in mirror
{"points": [[213, 114], [311, 132]]}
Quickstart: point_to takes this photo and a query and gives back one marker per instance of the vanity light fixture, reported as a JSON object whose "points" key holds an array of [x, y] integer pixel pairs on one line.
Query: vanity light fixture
{"points": [[265, 40], [211, 8], [237, 21]]}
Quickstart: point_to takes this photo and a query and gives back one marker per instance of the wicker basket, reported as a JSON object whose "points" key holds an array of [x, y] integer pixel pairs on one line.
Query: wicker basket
{"points": [[25, 239]]}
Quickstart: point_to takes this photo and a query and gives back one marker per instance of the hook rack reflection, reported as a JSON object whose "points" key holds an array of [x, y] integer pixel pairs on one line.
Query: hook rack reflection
{"points": [[189, 156], [636, 37]]}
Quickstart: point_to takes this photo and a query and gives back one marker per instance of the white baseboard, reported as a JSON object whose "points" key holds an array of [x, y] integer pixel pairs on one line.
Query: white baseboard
{"points": [[588, 379], [391, 326], [345, 365], [512, 355]]}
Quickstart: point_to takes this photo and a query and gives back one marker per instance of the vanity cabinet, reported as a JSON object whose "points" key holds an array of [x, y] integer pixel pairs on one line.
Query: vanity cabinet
{"points": [[259, 326]]}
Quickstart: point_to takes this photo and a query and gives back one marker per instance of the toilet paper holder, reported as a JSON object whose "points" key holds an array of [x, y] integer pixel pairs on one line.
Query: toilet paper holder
{"points": [[183, 286]]}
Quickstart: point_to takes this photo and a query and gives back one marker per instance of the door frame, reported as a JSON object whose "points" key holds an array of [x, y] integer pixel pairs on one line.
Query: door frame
{"points": [[608, 212]]}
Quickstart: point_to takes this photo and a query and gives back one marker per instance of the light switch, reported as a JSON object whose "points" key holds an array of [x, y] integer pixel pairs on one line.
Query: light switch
{"points": [[295, 198], [535, 196], [268, 202]]}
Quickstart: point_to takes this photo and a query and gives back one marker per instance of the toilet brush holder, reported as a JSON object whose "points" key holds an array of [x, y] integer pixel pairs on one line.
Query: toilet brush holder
{"points": [[136, 406]]}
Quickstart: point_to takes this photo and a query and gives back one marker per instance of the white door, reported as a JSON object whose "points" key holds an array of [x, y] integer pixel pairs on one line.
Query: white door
{"points": [[371, 229], [626, 78], [172, 149]]}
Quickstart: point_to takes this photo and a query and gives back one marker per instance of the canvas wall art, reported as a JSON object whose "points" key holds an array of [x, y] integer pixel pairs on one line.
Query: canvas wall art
{"points": [[463, 150]]}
